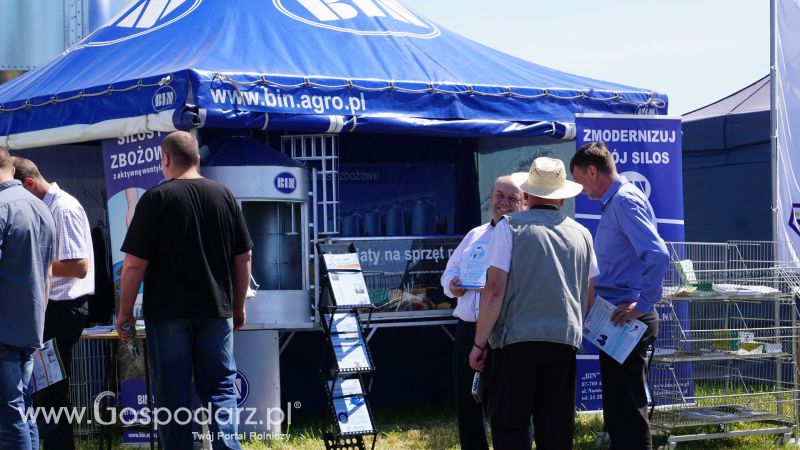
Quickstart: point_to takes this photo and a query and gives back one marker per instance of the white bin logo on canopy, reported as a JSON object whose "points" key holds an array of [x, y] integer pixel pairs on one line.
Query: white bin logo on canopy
{"points": [[364, 17], [139, 18], [164, 98]]}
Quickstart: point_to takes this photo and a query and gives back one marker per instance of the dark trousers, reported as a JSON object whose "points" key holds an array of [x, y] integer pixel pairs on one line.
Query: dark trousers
{"points": [[533, 379], [64, 320], [471, 414], [624, 397]]}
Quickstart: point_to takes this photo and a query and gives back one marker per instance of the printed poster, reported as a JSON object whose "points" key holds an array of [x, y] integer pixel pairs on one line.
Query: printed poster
{"points": [[647, 151], [132, 165]]}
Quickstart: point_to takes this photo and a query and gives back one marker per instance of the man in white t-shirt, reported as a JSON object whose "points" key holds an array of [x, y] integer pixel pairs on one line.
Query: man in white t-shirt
{"points": [[505, 198], [541, 263]]}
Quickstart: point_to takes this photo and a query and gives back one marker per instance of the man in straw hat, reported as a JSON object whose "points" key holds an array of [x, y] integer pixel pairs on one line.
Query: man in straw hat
{"points": [[634, 260], [505, 198], [536, 294]]}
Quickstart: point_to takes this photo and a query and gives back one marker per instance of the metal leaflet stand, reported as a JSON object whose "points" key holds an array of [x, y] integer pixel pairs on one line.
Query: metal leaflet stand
{"points": [[344, 381]]}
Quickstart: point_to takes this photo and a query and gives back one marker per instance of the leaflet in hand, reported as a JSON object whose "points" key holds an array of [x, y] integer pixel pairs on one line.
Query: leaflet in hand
{"points": [[473, 269], [47, 367], [616, 341]]}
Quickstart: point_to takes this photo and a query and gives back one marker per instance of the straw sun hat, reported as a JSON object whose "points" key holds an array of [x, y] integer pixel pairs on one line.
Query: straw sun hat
{"points": [[547, 178]]}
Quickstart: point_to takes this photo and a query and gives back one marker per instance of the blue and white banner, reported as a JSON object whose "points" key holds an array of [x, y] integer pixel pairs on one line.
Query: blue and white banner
{"points": [[786, 82], [132, 164], [647, 151]]}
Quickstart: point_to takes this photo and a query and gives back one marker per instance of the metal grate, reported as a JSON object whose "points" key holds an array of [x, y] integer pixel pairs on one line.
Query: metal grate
{"points": [[320, 152], [727, 338], [93, 372]]}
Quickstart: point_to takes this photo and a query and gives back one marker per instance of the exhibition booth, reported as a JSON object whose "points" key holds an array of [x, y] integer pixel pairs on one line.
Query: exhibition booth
{"points": [[358, 122]]}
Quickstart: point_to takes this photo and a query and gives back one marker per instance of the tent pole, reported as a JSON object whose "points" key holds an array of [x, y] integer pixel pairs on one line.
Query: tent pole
{"points": [[773, 133]]}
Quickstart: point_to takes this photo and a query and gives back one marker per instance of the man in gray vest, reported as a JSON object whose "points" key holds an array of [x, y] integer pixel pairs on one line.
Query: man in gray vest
{"points": [[536, 295]]}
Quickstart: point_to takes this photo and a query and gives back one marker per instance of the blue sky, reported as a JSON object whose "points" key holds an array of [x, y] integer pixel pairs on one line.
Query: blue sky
{"points": [[695, 51]]}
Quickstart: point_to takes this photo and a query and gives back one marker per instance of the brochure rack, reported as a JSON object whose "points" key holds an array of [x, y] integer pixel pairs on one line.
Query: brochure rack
{"points": [[347, 359]]}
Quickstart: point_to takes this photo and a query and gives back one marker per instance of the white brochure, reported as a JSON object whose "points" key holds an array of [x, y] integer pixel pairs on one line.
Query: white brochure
{"points": [[616, 341], [473, 270], [349, 288], [47, 368], [350, 352], [343, 323], [351, 408], [342, 261]]}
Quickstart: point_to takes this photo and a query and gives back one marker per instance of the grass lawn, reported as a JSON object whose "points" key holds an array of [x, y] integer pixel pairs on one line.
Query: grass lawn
{"points": [[434, 427]]}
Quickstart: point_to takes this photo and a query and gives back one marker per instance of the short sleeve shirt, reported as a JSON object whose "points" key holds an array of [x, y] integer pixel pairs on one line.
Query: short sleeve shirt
{"points": [[27, 246], [73, 241], [499, 253], [189, 231]]}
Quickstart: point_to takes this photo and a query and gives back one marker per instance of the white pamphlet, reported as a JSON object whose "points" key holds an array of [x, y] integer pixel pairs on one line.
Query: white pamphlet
{"points": [[342, 261], [616, 341], [473, 270], [350, 407], [350, 352], [47, 367], [349, 288], [343, 323]]}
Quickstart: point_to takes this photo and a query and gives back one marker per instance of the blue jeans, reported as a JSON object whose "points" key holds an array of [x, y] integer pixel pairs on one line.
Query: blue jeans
{"points": [[177, 349], [16, 367]]}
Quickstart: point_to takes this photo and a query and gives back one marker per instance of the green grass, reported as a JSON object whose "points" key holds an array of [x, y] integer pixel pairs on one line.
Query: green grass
{"points": [[434, 427]]}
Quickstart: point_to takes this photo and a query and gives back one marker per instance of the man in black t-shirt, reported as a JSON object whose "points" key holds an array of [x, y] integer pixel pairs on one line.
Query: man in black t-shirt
{"points": [[189, 243]]}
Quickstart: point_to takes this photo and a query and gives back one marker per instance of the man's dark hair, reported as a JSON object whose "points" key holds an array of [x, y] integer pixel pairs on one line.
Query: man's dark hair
{"points": [[593, 154], [182, 148], [25, 168], [5, 158]]}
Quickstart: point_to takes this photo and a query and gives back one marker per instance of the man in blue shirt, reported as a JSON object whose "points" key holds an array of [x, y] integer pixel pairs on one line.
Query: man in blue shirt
{"points": [[27, 246], [633, 260]]}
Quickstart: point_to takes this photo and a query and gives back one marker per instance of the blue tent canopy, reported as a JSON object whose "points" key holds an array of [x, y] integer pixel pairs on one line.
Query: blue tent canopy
{"points": [[308, 65]]}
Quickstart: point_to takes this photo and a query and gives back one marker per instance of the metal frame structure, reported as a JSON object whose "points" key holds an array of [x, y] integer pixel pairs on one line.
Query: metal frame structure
{"points": [[727, 347]]}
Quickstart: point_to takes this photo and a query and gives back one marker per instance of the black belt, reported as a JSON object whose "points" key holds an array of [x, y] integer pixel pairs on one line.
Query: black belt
{"points": [[78, 301]]}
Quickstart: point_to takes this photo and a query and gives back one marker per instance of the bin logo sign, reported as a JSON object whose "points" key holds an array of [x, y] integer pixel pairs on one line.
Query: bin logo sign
{"points": [[242, 388], [164, 98], [364, 17], [794, 218], [640, 181], [140, 18], [285, 183]]}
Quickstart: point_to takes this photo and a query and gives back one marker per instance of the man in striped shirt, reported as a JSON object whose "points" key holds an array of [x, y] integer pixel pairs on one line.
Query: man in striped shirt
{"points": [[73, 281]]}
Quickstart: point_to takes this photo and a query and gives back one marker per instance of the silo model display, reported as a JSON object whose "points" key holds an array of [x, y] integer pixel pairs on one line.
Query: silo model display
{"points": [[273, 192]]}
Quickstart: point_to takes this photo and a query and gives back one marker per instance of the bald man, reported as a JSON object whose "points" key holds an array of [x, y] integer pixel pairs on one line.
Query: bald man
{"points": [[189, 243], [505, 198]]}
